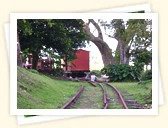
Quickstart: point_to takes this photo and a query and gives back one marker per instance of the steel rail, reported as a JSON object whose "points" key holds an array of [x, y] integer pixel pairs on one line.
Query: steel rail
{"points": [[74, 98], [105, 97], [93, 84], [119, 95]]}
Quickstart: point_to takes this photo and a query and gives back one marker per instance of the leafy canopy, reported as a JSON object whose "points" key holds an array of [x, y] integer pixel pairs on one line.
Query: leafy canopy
{"points": [[63, 35]]}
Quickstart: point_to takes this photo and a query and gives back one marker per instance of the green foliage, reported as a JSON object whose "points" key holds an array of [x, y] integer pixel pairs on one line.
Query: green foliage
{"points": [[138, 68], [147, 75], [52, 54], [96, 72], [63, 35], [142, 56], [133, 35], [58, 34], [117, 56], [119, 27], [122, 72], [25, 54], [133, 30], [58, 72]]}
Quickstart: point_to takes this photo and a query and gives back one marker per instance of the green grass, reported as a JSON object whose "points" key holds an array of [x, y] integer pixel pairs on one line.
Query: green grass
{"points": [[138, 92], [91, 98], [37, 91]]}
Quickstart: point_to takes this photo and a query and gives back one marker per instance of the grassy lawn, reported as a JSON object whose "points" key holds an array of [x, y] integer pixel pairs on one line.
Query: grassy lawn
{"points": [[132, 90], [37, 91]]}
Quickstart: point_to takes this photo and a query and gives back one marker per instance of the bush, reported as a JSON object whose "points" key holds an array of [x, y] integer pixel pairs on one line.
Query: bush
{"points": [[122, 72], [147, 75], [96, 72], [57, 72]]}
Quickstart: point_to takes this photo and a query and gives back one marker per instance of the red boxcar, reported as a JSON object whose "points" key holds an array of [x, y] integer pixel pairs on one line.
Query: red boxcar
{"points": [[81, 62]]}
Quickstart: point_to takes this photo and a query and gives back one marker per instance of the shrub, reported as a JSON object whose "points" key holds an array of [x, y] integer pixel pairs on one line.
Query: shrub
{"points": [[147, 75], [96, 72], [57, 72], [122, 72]]}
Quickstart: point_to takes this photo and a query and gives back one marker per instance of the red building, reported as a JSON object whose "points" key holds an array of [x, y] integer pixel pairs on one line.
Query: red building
{"points": [[80, 64]]}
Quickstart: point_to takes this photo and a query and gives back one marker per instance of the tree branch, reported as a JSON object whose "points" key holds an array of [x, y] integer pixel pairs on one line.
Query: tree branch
{"points": [[100, 35]]}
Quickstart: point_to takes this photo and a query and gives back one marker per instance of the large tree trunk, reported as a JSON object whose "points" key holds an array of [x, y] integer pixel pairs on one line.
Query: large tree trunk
{"points": [[19, 57], [123, 55], [66, 63], [104, 49], [35, 60]]}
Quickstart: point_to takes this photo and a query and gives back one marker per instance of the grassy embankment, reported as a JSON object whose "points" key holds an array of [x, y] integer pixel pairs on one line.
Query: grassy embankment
{"points": [[37, 91]]}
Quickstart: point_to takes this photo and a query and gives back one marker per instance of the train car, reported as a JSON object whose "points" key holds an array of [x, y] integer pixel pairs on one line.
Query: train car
{"points": [[45, 65], [80, 65]]}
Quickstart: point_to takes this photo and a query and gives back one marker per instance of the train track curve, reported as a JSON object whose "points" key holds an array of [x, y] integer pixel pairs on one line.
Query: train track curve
{"points": [[74, 98], [107, 97], [112, 98]]}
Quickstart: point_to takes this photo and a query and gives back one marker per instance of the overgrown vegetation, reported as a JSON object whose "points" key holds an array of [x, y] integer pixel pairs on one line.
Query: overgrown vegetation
{"points": [[122, 72], [96, 72], [147, 75]]}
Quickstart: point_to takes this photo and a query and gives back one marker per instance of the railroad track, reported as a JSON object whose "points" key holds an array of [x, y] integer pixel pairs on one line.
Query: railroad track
{"points": [[105, 97], [70, 104], [112, 97], [129, 101], [73, 99]]}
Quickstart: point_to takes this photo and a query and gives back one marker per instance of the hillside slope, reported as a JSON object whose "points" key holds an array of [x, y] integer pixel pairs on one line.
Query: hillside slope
{"points": [[37, 91]]}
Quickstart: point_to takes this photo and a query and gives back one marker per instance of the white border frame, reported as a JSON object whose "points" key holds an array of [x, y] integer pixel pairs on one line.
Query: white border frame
{"points": [[133, 8], [13, 63]]}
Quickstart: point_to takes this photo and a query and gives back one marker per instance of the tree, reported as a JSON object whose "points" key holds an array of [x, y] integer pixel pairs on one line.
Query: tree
{"points": [[63, 36], [52, 55], [143, 57], [103, 47], [130, 35], [127, 33]]}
